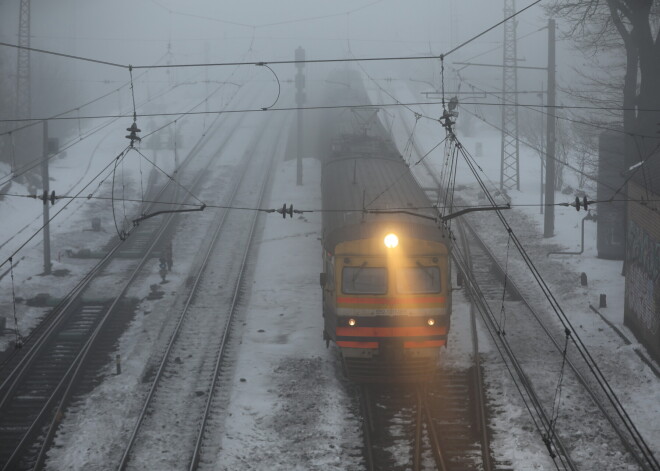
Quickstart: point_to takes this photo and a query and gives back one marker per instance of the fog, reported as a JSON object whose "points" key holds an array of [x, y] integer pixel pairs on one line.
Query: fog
{"points": [[140, 32]]}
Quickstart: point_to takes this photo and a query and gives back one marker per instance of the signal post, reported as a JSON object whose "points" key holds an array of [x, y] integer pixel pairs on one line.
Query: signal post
{"points": [[300, 101]]}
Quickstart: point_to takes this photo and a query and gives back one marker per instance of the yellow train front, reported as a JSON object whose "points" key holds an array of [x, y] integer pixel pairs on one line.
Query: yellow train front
{"points": [[386, 280]]}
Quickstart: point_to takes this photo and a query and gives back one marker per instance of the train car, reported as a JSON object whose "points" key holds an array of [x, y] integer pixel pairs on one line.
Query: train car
{"points": [[386, 279]]}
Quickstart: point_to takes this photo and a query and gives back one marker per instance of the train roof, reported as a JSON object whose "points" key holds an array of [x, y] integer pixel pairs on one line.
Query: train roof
{"points": [[367, 171]]}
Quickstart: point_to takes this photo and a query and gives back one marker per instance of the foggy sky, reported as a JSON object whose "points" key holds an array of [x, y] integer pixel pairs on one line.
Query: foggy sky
{"points": [[138, 32]]}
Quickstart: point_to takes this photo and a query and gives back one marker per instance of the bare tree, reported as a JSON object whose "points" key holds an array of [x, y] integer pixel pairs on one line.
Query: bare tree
{"points": [[635, 24]]}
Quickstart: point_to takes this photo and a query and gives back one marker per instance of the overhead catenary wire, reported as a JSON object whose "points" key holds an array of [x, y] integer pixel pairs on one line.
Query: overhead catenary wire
{"points": [[78, 107], [38, 161], [170, 177], [509, 358], [384, 210], [280, 62], [111, 173], [316, 107], [17, 333], [37, 232], [591, 364]]}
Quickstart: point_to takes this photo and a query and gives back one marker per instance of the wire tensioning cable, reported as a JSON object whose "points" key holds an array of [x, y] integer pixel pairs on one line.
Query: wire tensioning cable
{"points": [[120, 233], [591, 364], [556, 401], [403, 174], [170, 177], [19, 339], [502, 324], [58, 212]]}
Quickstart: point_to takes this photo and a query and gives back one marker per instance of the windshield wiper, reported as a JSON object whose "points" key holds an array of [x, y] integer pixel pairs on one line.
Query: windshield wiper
{"points": [[355, 275], [426, 270]]}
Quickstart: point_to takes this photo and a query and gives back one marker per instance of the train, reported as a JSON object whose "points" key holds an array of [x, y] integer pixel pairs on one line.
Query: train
{"points": [[386, 278]]}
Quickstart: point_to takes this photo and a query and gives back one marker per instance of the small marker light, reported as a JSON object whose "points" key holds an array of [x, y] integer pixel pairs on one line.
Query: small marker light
{"points": [[431, 321], [351, 322], [391, 241]]}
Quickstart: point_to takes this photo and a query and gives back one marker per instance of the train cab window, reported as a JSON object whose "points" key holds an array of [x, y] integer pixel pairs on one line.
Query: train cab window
{"points": [[364, 280], [418, 280]]}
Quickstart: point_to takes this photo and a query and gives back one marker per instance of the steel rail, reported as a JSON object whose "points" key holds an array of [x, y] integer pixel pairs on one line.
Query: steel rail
{"points": [[433, 434], [74, 368], [417, 441], [482, 422], [580, 377], [194, 462], [203, 140], [367, 426], [486, 457], [65, 303], [177, 329]]}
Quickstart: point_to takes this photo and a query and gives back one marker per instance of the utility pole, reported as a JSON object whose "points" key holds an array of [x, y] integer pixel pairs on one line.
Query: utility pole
{"points": [[549, 216], [45, 183], [510, 151], [300, 101], [23, 99], [23, 91]]}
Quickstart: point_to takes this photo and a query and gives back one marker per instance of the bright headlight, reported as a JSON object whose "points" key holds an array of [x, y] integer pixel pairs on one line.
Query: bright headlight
{"points": [[430, 321], [352, 322], [391, 241]]}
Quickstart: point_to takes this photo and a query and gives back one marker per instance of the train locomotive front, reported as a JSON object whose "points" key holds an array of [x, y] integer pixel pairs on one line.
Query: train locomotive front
{"points": [[386, 281]]}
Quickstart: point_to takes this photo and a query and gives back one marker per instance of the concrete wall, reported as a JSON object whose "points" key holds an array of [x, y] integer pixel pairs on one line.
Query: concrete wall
{"points": [[642, 291]]}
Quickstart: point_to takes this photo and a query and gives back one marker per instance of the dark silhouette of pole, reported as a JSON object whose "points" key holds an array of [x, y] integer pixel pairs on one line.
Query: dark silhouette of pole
{"points": [[45, 183], [300, 101], [549, 216]]}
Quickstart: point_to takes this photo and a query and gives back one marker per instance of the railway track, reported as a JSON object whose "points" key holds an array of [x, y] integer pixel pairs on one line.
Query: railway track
{"points": [[196, 352], [61, 356], [435, 426], [538, 340]]}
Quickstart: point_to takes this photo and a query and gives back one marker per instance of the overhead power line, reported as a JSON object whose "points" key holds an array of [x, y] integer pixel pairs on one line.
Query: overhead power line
{"points": [[261, 63], [362, 105]]}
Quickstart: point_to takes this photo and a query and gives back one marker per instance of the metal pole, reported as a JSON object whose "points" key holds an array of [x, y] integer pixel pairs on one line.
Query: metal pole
{"points": [[44, 179], [300, 101], [299, 168], [549, 216], [541, 156]]}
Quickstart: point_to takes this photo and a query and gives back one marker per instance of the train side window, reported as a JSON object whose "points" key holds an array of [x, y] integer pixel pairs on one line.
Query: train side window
{"points": [[364, 280], [418, 280]]}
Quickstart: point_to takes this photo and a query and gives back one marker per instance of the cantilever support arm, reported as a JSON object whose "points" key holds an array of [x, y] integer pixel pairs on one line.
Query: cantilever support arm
{"points": [[470, 210], [147, 216], [443, 218]]}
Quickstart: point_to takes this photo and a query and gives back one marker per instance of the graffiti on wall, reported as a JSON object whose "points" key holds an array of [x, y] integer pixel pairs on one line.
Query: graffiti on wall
{"points": [[643, 279]]}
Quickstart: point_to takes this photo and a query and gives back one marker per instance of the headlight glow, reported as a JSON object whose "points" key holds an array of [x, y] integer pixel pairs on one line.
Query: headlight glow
{"points": [[431, 321], [391, 241], [352, 322]]}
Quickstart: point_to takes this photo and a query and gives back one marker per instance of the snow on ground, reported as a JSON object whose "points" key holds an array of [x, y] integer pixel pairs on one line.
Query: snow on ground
{"points": [[293, 411], [288, 408], [71, 230], [634, 382]]}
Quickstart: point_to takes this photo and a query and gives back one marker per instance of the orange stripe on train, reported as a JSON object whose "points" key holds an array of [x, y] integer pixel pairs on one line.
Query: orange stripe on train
{"points": [[350, 344], [392, 301], [420, 331], [424, 344]]}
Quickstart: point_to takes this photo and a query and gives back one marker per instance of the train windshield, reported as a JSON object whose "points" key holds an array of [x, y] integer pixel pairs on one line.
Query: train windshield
{"points": [[418, 280], [364, 280]]}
